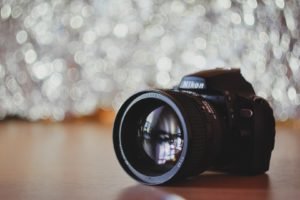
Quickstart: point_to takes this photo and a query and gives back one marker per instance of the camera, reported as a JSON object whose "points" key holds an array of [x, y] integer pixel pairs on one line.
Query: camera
{"points": [[211, 121]]}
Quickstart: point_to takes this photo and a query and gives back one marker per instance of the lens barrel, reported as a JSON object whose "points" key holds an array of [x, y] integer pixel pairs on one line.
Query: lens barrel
{"points": [[163, 136]]}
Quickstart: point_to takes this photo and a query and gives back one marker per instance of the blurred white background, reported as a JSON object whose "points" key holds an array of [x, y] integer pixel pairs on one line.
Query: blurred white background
{"points": [[60, 58]]}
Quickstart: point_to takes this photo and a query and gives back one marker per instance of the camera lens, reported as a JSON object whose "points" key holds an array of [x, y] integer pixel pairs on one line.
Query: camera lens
{"points": [[163, 136]]}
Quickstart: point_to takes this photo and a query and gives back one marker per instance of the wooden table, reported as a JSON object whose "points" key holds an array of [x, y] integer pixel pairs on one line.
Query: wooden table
{"points": [[76, 161]]}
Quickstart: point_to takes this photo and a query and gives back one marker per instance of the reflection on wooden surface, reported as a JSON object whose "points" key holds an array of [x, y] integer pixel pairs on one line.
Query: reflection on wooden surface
{"points": [[76, 161]]}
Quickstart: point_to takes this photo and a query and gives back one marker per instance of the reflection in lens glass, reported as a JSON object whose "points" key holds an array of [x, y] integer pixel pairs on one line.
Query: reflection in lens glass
{"points": [[161, 136]]}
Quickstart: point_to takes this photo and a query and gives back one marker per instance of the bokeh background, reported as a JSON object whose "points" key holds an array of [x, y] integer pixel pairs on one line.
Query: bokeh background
{"points": [[70, 58]]}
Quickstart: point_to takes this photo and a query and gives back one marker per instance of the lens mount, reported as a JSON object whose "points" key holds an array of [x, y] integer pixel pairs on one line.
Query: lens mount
{"points": [[179, 141]]}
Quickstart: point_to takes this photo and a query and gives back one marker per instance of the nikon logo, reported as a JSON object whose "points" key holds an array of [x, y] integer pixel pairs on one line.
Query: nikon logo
{"points": [[191, 85]]}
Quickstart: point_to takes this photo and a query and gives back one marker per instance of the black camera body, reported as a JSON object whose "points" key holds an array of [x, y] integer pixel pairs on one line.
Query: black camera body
{"points": [[211, 121], [248, 122]]}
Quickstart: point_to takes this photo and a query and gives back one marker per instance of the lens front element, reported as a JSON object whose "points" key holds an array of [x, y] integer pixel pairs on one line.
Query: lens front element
{"points": [[161, 136]]}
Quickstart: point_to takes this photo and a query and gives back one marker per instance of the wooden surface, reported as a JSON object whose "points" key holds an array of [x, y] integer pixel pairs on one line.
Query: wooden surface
{"points": [[76, 161]]}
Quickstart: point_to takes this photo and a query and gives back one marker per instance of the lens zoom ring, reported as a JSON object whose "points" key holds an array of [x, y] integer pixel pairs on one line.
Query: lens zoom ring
{"points": [[197, 122]]}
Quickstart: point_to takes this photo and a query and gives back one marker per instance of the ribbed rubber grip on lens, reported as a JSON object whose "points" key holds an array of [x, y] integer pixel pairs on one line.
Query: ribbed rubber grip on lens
{"points": [[200, 127]]}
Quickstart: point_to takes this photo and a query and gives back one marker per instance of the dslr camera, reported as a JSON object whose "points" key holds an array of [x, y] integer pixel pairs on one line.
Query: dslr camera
{"points": [[211, 121]]}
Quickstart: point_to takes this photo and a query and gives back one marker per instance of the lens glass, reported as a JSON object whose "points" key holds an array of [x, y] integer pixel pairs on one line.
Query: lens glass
{"points": [[161, 137]]}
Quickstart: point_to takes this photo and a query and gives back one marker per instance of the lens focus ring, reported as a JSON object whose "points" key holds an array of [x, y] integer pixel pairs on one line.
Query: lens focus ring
{"points": [[203, 131]]}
